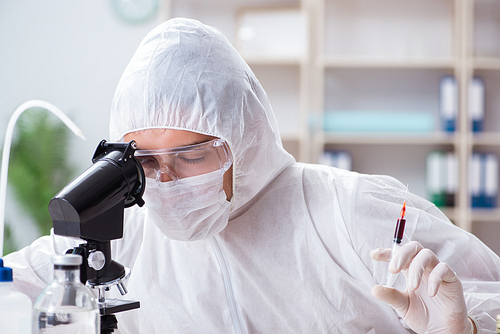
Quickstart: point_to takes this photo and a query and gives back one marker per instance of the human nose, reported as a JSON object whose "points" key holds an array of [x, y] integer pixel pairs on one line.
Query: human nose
{"points": [[164, 174], [163, 177]]}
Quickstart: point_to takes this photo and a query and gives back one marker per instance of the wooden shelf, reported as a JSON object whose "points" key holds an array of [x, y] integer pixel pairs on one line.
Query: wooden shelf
{"points": [[289, 137], [486, 215], [353, 62], [486, 138], [282, 61], [390, 139], [486, 63]]}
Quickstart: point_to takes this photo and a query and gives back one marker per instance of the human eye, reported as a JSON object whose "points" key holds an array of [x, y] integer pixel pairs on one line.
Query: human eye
{"points": [[191, 159], [149, 164]]}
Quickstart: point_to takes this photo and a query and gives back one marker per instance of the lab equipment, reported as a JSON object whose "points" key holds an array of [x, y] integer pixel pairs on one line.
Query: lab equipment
{"points": [[91, 207], [396, 243], [15, 307], [187, 161], [66, 305]]}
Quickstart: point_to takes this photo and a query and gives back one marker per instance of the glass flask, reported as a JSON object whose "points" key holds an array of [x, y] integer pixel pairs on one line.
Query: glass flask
{"points": [[66, 305]]}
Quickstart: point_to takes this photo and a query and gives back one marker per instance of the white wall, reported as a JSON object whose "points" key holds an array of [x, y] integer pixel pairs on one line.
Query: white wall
{"points": [[69, 53]]}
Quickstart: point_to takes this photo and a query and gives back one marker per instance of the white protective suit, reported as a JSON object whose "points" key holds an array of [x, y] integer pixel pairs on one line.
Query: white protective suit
{"points": [[295, 256]]}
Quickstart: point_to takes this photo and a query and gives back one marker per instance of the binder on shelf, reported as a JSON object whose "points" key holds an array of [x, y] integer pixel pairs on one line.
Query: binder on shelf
{"points": [[475, 182], [451, 171], [441, 178], [483, 180], [436, 178], [339, 159], [476, 104], [490, 180], [376, 121], [448, 102]]}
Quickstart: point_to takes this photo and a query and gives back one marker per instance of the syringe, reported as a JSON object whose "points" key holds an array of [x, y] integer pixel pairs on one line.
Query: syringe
{"points": [[396, 243]]}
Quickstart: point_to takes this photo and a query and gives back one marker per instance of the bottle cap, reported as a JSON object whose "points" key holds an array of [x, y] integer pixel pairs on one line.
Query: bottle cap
{"points": [[5, 273], [67, 260]]}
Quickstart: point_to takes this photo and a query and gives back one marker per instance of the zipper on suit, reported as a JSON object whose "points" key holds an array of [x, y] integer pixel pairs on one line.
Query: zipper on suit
{"points": [[226, 278]]}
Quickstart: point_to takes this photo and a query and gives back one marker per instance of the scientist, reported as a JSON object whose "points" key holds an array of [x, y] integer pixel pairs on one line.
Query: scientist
{"points": [[237, 237]]}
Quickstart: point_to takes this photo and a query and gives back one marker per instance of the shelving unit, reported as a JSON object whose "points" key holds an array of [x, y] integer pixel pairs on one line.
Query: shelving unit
{"points": [[482, 51], [284, 70], [352, 72], [384, 55], [352, 75]]}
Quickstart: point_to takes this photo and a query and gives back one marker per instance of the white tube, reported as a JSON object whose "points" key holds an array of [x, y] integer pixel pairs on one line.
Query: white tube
{"points": [[391, 278], [8, 142]]}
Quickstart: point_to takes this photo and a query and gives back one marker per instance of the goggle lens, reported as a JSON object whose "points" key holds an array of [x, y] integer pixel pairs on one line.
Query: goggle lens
{"points": [[187, 161]]}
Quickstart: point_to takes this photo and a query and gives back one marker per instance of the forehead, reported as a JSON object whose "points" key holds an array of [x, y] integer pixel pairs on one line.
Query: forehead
{"points": [[154, 139]]}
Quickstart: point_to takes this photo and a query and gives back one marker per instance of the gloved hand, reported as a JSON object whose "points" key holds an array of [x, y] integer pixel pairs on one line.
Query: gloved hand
{"points": [[433, 300]]}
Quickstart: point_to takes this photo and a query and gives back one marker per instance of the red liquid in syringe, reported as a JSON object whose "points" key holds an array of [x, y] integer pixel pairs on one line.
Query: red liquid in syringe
{"points": [[400, 226]]}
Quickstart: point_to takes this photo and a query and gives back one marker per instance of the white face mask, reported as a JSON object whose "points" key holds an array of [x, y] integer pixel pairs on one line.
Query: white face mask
{"points": [[193, 208]]}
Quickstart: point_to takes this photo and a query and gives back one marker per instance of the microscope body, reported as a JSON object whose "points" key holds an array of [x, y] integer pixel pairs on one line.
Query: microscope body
{"points": [[91, 207]]}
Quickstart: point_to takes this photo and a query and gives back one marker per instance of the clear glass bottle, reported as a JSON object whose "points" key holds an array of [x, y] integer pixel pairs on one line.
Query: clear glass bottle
{"points": [[66, 305], [15, 307]]}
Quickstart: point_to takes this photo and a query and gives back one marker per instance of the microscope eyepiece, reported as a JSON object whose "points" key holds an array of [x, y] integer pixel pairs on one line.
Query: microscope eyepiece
{"points": [[91, 206]]}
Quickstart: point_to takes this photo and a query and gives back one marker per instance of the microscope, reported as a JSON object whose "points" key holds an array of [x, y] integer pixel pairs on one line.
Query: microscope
{"points": [[91, 207]]}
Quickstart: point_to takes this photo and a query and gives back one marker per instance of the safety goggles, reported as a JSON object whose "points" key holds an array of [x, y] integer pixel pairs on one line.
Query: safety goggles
{"points": [[186, 161]]}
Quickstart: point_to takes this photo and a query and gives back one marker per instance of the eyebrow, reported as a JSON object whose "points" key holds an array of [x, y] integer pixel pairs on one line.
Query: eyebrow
{"points": [[199, 142], [178, 147]]}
